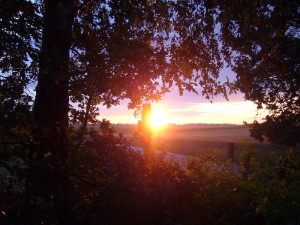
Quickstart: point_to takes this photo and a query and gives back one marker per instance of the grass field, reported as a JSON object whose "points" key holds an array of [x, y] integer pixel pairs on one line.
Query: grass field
{"points": [[198, 139], [195, 139]]}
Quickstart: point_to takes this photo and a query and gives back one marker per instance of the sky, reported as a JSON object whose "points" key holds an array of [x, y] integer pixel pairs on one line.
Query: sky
{"points": [[191, 108]]}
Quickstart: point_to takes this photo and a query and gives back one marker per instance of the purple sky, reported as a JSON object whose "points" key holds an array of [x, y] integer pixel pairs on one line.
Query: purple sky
{"points": [[191, 108]]}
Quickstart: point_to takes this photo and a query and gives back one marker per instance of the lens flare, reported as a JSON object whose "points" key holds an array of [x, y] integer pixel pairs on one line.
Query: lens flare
{"points": [[158, 119]]}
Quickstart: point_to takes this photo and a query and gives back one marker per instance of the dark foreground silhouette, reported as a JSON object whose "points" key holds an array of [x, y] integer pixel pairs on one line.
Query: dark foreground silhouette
{"points": [[105, 182]]}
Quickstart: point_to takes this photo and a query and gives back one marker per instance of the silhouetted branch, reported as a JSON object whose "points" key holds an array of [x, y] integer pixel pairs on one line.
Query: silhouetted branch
{"points": [[91, 181], [86, 117], [85, 3], [12, 142], [76, 51]]}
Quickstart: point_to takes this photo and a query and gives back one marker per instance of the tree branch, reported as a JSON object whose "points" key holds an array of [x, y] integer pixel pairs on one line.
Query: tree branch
{"points": [[11, 142], [85, 3], [76, 51], [82, 129]]}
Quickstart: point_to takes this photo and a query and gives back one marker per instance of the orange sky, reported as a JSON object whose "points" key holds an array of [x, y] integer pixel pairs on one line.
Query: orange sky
{"points": [[191, 108]]}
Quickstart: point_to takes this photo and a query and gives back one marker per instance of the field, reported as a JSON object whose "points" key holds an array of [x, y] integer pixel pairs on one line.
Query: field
{"points": [[198, 139]]}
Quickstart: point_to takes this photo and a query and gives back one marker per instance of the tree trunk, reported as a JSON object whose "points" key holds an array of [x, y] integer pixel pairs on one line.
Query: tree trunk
{"points": [[52, 99], [46, 181]]}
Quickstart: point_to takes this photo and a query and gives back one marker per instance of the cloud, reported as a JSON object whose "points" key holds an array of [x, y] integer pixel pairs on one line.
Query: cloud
{"points": [[220, 112]]}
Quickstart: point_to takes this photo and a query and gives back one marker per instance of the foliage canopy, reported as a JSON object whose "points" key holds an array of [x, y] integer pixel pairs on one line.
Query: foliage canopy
{"points": [[138, 50]]}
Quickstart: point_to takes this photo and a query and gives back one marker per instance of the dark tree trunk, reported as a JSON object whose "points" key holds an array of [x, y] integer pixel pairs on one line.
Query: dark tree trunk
{"points": [[46, 181], [52, 100]]}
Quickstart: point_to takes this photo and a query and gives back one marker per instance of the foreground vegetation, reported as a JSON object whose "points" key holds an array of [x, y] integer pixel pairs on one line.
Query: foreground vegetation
{"points": [[104, 182]]}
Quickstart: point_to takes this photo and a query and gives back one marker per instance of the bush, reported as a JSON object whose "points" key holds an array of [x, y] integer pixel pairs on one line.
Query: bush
{"points": [[105, 182]]}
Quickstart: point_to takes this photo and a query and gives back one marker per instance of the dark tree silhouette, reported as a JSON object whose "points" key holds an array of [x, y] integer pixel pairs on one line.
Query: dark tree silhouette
{"points": [[262, 45], [52, 99]]}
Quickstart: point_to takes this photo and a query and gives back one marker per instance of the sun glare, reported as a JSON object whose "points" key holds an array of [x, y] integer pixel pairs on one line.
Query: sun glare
{"points": [[158, 119]]}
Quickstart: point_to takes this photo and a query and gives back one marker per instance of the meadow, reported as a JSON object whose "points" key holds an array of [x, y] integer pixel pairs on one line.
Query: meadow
{"points": [[193, 139]]}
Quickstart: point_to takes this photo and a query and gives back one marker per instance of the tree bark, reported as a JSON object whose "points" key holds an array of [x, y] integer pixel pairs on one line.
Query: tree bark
{"points": [[51, 104], [45, 179]]}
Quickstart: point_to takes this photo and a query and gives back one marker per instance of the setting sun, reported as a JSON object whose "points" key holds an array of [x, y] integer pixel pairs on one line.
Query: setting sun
{"points": [[158, 119]]}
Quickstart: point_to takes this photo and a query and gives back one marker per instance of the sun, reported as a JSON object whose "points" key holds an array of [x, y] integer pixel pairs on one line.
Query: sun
{"points": [[158, 119]]}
